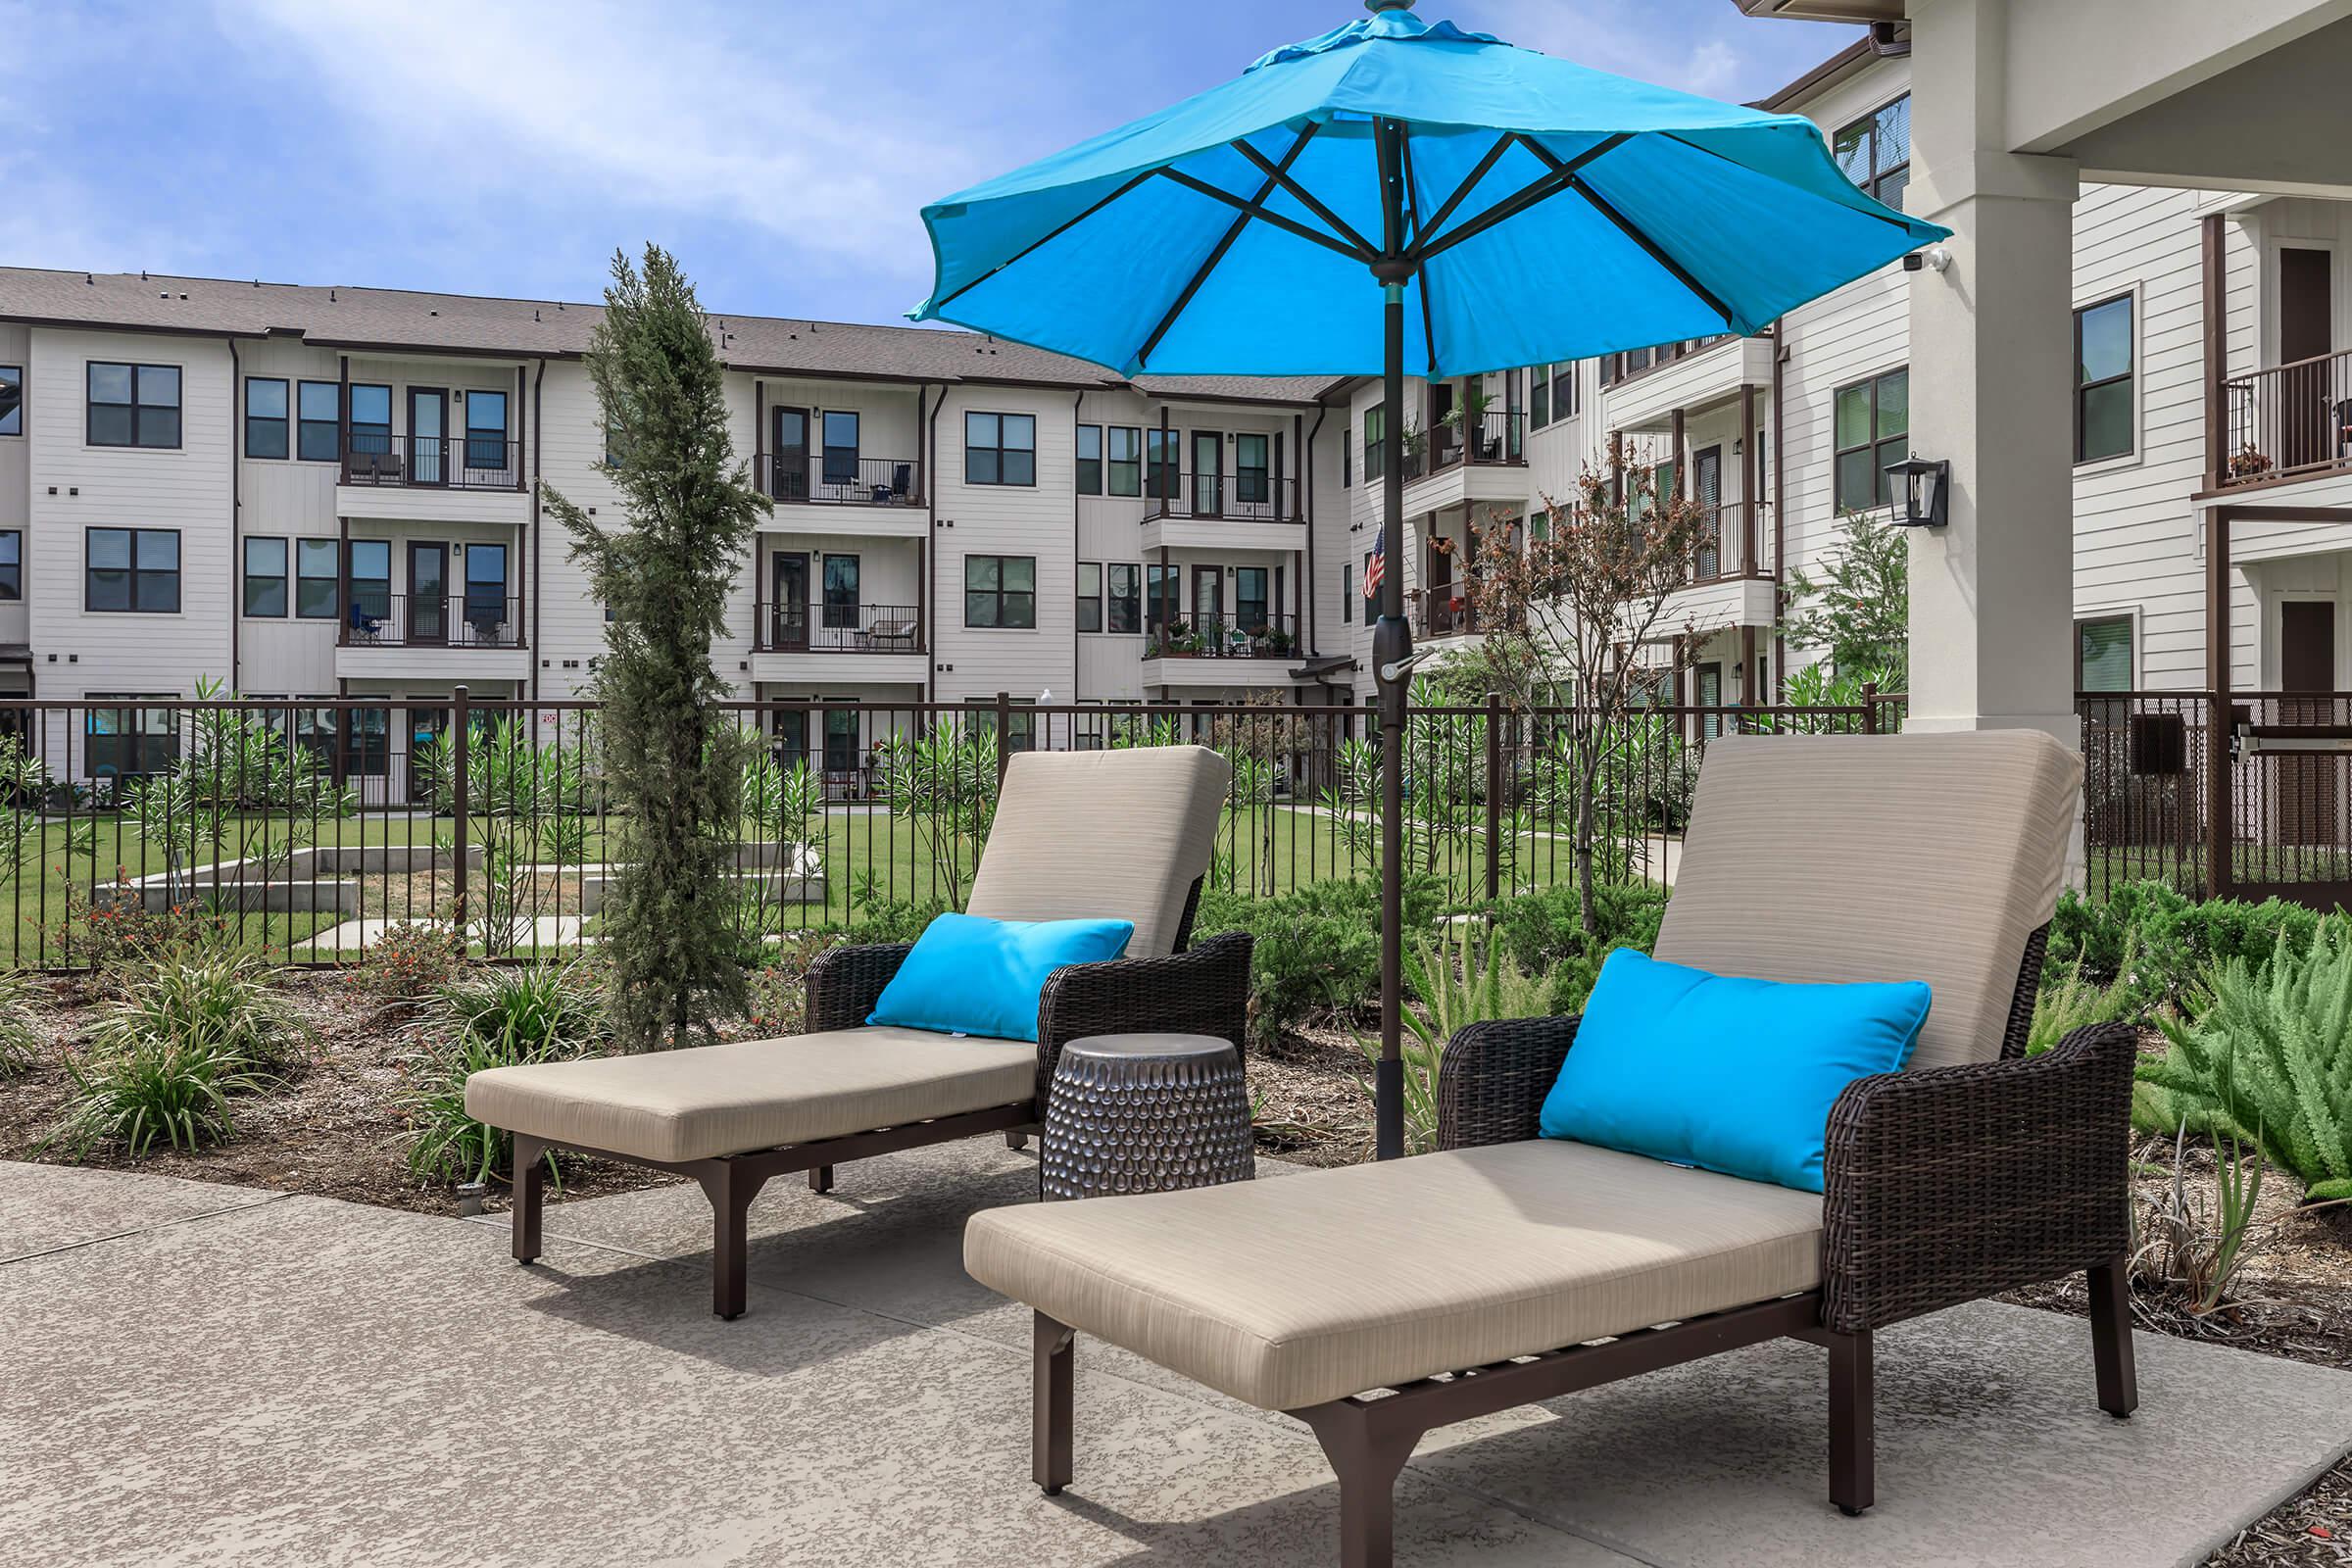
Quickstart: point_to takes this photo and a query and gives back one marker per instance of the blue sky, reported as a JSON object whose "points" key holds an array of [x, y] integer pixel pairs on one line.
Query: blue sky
{"points": [[781, 148]]}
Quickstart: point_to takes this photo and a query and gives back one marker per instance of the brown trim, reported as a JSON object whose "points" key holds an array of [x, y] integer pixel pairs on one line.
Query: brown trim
{"points": [[538, 583], [2213, 269], [1840, 65], [236, 508], [2217, 824]]}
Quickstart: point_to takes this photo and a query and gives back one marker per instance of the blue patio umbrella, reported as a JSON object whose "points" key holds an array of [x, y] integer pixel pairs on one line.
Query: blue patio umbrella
{"points": [[1400, 197]]}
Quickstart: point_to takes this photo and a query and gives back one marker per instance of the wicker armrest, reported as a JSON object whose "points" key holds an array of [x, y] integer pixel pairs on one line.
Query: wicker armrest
{"points": [[844, 983], [1493, 1077], [1948, 1184], [1203, 991]]}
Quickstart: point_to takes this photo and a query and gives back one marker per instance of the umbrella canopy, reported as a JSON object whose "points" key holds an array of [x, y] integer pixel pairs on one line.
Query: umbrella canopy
{"points": [[1550, 212], [1507, 208]]}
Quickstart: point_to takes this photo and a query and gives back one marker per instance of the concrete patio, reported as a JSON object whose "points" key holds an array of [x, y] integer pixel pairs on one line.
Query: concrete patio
{"points": [[202, 1374]]}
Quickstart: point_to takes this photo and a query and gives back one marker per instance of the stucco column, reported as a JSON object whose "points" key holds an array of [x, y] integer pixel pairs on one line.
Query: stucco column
{"points": [[1991, 368]]}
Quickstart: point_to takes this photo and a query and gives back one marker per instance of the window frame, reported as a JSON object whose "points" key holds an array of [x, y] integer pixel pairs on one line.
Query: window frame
{"points": [[13, 415], [1249, 475], [2128, 379], [1868, 124], [1376, 446], [1001, 594], [133, 571], [2128, 617], [998, 449], [304, 423], [351, 580], [1131, 486], [136, 406], [351, 422], [1090, 599], [12, 565], [1132, 598], [283, 577], [332, 580], [481, 437], [1085, 486], [284, 419], [1839, 451]]}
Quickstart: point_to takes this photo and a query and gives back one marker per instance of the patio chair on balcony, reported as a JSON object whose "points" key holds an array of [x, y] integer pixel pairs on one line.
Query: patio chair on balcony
{"points": [[1378, 1301], [732, 1116], [893, 636]]}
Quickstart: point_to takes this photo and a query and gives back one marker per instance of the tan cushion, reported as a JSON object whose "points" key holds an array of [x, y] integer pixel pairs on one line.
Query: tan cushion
{"points": [[754, 1094], [1115, 835], [1879, 858], [1292, 1291]]}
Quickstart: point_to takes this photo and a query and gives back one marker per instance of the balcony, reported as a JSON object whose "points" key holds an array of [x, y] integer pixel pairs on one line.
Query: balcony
{"points": [[479, 635], [838, 641], [431, 462], [2293, 421], [1222, 511], [1496, 436], [837, 480], [1220, 636], [1731, 572], [1703, 374], [1443, 609]]}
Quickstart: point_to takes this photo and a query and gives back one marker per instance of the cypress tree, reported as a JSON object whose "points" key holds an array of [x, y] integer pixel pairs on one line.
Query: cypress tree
{"points": [[671, 757]]}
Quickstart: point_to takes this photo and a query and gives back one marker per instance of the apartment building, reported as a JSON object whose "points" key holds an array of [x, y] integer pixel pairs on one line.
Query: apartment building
{"points": [[307, 491]]}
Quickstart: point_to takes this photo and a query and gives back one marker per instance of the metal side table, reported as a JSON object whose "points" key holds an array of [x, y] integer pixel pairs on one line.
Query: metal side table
{"points": [[1145, 1114]]}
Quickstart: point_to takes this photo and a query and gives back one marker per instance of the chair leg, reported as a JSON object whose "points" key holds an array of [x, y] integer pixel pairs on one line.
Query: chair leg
{"points": [[1017, 1139], [1853, 1442], [1054, 1352], [530, 1191], [730, 1192], [1368, 1467], [821, 1179], [2111, 1336]]}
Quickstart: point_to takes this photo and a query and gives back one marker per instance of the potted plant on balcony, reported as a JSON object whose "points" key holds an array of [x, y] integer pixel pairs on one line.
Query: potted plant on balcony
{"points": [[1276, 641], [1469, 413], [2249, 462]]}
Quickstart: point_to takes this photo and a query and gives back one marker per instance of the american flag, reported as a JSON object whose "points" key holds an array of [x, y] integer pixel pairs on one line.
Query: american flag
{"points": [[1376, 564]]}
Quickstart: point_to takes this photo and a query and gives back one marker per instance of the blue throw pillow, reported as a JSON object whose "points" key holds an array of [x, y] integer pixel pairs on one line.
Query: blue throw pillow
{"points": [[973, 976], [1727, 1074]]}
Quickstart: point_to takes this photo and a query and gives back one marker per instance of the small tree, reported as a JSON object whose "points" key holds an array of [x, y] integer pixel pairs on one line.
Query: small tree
{"points": [[1574, 610], [1858, 611], [668, 754]]}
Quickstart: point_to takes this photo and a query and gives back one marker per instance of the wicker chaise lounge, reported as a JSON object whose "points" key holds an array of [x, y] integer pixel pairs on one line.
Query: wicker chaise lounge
{"points": [[1124, 834], [1378, 1301]]}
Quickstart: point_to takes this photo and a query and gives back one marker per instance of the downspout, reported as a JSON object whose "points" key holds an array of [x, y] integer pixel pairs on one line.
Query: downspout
{"points": [[236, 517], [1102, 586], [930, 568], [1780, 519], [538, 572], [1306, 481]]}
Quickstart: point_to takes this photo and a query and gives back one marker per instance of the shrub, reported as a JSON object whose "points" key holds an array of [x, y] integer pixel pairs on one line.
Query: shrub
{"points": [[19, 1042], [1316, 946], [177, 1089], [2269, 1060], [216, 1007], [1544, 928], [2156, 941], [2069, 1002], [554, 1005], [411, 960], [536, 1012], [1459, 979], [897, 920]]}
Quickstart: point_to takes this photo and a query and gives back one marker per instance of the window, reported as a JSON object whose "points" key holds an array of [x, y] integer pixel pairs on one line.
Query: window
{"points": [[1090, 459], [265, 417], [1159, 464], [999, 448], [1538, 397], [134, 405], [486, 591], [367, 742], [1552, 393], [12, 400], [1000, 591], [1021, 732], [1875, 151], [1126, 460], [1873, 430], [2103, 653], [486, 431], [315, 580], [11, 564], [1347, 456], [132, 569], [1346, 592], [840, 429], [1125, 610], [319, 410], [2103, 379], [1090, 595], [841, 592], [129, 742], [371, 581], [265, 576], [1249, 599], [1376, 434], [841, 740], [1161, 585], [1249, 475], [372, 419]]}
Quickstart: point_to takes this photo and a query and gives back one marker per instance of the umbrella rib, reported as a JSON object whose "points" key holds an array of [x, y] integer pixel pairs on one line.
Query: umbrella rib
{"points": [[1413, 212], [1232, 231], [1258, 211], [1437, 220], [1559, 177], [1050, 235], [1305, 198]]}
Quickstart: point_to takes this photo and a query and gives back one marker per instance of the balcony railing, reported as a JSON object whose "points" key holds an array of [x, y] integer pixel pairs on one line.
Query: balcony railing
{"points": [[478, 620], [433, 462], [839, 629], [1222, 636], [1443, 609], [1237, 497], [1494, 436], [837, 480], [2293, 420], [1734, 544]]}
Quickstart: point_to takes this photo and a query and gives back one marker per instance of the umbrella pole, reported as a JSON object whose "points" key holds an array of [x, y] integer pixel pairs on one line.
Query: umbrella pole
{"points": [[1392, 650]]}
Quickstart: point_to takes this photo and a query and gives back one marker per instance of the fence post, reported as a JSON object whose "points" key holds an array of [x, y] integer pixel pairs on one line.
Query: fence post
{"points": [[1494, 796], [1003, 735], [458, 719], [1870, 708]]}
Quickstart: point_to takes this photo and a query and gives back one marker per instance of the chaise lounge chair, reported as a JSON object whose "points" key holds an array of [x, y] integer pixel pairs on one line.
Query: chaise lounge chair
{"points": [[1378, 1301], [1123, 834]]}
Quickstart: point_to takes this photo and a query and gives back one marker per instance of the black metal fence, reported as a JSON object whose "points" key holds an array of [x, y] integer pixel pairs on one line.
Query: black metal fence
{"points": [[308, 831]]}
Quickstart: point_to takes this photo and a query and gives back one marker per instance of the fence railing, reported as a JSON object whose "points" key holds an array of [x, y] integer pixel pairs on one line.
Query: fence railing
{"points": [[839, 629], [2289, 419], [376, 620], [1233, 497], [433, 462], [305, 831], [838, 479]]}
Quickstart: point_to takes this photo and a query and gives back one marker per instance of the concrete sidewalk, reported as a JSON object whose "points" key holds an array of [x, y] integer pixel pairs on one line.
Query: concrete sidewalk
{"points": [[215, 1375]]}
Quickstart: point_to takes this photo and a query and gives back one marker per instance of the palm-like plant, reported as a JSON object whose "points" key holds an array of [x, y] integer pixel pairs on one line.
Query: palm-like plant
{"points": [[944, 784], [1459, 979]]}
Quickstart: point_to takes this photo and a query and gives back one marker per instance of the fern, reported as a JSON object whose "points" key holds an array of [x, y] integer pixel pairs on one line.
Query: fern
{"points": [[2268, 1058]]}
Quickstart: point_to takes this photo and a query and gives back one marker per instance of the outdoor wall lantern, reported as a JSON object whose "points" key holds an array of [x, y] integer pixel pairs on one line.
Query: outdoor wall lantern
{"points": [[1922, 486]]}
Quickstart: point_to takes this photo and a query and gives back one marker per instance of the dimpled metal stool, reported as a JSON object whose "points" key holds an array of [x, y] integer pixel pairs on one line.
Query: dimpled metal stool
{"points": [[1145, 1114]]}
